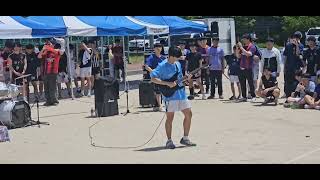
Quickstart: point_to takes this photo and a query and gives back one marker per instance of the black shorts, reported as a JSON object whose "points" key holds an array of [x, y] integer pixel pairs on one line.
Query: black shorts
{"points": [[95, 71], [156, 88], [270, 93], [32, 78]]}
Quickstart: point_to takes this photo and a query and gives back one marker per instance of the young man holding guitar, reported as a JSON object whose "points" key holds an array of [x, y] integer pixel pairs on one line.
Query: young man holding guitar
{"points": [[168, 75]]}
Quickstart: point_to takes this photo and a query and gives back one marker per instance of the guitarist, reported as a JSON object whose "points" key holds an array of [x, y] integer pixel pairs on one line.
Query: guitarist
{"points": [[178, 101], [194, 60]]}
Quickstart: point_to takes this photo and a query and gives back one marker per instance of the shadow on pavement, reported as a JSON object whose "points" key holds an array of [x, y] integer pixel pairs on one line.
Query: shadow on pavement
{"points": [[159, 148]]}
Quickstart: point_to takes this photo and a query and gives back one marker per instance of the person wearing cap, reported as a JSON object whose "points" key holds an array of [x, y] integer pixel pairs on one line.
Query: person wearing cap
{"points": [[246, 53], [217, 66], [194, 61], [268, 87], [292, 61], [33, 65], [311, 58], [85, 55], [203, 50], [18, 65], [233, 72], [182, 60], [271, 58], [152, 63], [178, 101], [51, 58]]}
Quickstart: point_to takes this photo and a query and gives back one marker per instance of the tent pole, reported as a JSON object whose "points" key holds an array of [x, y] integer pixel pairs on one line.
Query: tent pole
{"points": [[69, 65], [126, 88], [101, 39]]}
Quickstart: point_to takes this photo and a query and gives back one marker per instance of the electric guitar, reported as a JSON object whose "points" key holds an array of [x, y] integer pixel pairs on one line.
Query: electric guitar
{"points": [[166, 91]]}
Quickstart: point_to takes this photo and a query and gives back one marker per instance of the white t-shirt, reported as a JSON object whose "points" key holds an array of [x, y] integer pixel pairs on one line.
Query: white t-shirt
{"points": [[274, 52]]}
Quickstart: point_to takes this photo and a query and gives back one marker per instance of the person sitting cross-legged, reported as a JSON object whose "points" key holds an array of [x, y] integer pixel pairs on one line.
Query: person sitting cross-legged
{"points": [[313, 102], [268, 87]]}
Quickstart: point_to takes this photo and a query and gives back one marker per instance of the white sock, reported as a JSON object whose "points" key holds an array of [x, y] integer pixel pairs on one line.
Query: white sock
{"points": [[185, 138]]}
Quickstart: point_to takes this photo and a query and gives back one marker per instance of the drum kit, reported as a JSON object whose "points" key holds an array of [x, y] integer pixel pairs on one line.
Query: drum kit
{"points": [[14, 111]]}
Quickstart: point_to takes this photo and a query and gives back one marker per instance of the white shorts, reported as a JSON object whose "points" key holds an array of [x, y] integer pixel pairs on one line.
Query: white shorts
{"points": [[177, 105], [234, 79], [62, 77], [255, 73], [85, 72]]}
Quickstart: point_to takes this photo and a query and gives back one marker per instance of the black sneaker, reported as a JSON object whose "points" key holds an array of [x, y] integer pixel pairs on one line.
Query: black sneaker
{"points": [[170, 145], [191, 97], [210, 97], [48, 104], [187, 142], [232, 98]]}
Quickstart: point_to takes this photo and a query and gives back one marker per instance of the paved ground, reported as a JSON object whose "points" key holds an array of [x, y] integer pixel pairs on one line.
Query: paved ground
{"points": [[225, 132]]}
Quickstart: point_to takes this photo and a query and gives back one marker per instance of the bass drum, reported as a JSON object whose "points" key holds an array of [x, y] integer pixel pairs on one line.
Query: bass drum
{"points": [[15, 114]]}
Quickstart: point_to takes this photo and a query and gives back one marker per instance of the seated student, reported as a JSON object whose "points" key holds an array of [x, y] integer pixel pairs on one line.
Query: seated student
{"points": [[313, 102], [305, 87], [268, 87]]}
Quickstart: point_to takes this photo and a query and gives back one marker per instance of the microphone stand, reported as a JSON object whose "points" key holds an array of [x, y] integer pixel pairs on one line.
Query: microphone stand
{"points": [[38, 121], [126, 86]]}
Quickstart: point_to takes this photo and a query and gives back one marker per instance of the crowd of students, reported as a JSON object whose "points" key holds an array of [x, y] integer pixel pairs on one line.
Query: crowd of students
{"points": [[254, 71], [48, 68]]}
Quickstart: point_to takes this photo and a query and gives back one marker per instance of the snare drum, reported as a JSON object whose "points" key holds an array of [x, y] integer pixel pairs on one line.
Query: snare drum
{"points": [[15, 114]]}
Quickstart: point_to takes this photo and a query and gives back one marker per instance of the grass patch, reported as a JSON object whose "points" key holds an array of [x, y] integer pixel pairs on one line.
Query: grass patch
{"points": [[136, 58]]}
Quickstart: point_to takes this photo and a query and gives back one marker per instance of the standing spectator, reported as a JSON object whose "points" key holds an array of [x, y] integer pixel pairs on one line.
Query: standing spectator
{"points": [[216, 61], [96, 64], [182, 60], [268, 87], [271, 58], [246, 54], [62, 73], [51, 58], [311, 58], [194, 61], [292, 62], [33, 64], [118, 63], [203, 50], [256, 62], [85, 66], [8, 47], [2, 79], [233, 72], [18, 65], [152, 63]]}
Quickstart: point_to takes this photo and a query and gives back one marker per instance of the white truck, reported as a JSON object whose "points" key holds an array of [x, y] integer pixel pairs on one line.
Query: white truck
{"points": [[226, 31]]}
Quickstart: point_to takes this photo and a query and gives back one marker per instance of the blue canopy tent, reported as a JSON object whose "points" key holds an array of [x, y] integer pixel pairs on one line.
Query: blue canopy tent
{"points": [[177, 25], [17, 27]]}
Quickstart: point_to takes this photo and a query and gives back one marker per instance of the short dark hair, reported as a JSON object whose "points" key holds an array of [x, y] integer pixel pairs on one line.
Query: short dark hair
{"points": [[29, 46], [91, 42], [215, 39], [16, 44], [247, 36], [311, 38], [270, 39], [175, 52], [9, 44], [297, 34], [117, 40], [157, 45], [57, 46]]}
